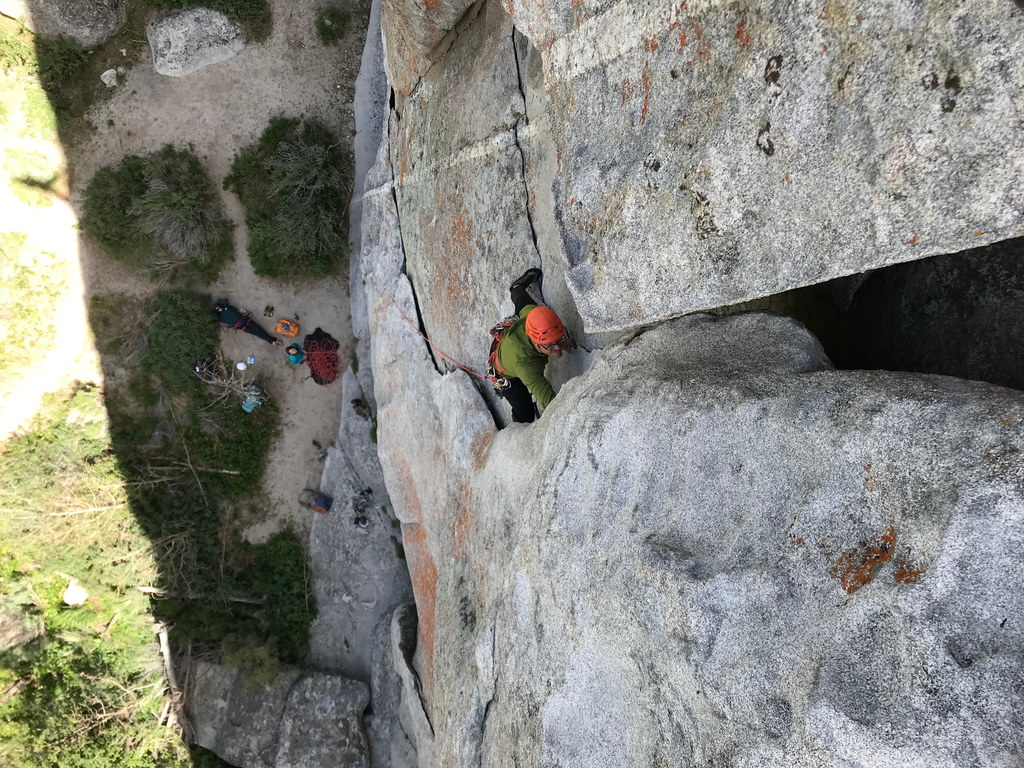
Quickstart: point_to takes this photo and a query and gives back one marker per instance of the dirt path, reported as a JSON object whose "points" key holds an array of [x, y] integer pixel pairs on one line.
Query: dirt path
{"points": [[219, 110]]}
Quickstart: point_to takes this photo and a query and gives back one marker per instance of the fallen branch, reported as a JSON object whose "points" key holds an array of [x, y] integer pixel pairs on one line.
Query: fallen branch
{"points": [[165, 654]]}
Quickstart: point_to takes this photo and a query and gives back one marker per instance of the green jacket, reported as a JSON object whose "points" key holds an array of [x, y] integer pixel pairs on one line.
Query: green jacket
{"points": [[518, 358]]}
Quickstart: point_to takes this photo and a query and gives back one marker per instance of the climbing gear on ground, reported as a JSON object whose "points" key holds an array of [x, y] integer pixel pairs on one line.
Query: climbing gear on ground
{"points": [[543, 326], [499, 382], [287, 328], [268, 311], [318, 501], [361, 520], [322, 356], [254, 397]]}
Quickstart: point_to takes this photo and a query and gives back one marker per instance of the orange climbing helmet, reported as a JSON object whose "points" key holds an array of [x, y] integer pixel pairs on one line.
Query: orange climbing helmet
{"points": [[543, 326]]}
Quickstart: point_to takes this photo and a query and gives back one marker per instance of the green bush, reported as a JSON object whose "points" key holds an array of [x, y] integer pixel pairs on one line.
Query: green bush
{"points": [[60, 62], [294, 183], [181, 331], [332, 24], [159, 212], [16, 55]]}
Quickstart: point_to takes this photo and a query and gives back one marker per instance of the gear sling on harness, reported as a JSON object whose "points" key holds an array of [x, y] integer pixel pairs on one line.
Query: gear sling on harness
{"points": [[498, 378]]}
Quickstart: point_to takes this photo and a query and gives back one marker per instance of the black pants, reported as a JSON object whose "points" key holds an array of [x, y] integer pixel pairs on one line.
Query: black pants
{"points": [[253, 328], [518, 396]]}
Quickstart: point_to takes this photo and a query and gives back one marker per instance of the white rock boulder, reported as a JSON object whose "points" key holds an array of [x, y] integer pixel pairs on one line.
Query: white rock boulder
{"points": [[185, 41]]}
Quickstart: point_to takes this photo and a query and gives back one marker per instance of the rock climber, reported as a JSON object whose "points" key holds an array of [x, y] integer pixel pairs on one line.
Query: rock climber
{"points": [[524, 348], [228, 315]]}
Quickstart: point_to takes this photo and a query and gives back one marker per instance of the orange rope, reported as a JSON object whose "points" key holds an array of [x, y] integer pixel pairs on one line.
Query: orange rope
{"points": [[433, 346]]}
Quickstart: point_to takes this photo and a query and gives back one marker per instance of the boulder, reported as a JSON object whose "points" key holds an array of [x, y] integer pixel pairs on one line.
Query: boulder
{"points": [[88, 22], [299, 719], [646, 589], [322, 724], [185, 41]]}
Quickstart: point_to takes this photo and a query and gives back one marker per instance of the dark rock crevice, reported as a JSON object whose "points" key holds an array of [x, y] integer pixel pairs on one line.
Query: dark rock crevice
{"points": [[516, 38], [412, 285], [958, 314]]}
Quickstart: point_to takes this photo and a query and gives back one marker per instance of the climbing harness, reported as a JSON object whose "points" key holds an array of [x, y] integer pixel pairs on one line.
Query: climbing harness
{"points": [[499, 381]]}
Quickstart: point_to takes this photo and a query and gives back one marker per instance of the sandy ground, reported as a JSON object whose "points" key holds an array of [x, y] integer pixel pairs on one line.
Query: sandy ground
{"points": [[219, 110]]}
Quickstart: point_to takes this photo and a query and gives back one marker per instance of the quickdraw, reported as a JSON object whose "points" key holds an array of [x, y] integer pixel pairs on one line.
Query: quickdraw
{"points": [[499, 381]]}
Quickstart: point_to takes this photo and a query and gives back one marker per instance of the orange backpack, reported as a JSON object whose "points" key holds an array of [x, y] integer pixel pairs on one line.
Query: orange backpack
{"points": [[287, 328]]}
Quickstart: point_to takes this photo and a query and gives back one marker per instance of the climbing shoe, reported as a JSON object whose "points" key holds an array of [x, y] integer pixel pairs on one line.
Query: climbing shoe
{"points": [[528, 278]]}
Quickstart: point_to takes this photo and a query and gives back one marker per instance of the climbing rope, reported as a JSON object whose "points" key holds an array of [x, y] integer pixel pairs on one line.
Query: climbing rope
{"points": [[323, 361], [433, 346]]}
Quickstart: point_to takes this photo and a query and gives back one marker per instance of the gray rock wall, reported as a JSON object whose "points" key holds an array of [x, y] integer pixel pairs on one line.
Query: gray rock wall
{"points": [[712, 549], [680, 157]]}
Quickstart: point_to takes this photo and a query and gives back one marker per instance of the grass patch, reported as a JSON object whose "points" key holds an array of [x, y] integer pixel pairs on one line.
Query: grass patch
{"points": [[159, 212], [253, 16], [294, 183], [31, 176], [16, 52], [40, 117], [94, 682], [332, 24], [30, 284], [143, 480]]}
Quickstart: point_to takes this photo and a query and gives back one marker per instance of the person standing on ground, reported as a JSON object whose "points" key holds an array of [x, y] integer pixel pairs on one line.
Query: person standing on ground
{"points": [[228, 315], [525, 347]]}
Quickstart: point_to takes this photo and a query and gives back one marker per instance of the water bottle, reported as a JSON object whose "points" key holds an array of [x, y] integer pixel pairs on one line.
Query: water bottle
{"points": [[252, 359]]}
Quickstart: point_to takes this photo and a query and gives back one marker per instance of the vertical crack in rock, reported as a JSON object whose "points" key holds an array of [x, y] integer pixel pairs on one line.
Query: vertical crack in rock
{"points": [[515, 136], [487, 679], [401, 239]]}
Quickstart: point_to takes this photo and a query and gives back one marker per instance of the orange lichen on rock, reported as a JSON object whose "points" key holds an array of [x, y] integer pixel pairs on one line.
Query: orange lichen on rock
{"points": [[481, 447], [626, 91], [460, 534], [857, 567], [423, 573], [742, 35], [906, 574], [645, 80]]}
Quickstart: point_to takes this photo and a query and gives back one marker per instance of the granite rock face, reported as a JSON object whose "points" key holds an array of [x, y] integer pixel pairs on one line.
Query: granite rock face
{"points": [[87, 22], [185, 41], [413, 30], [300, 719], [688, 156], [711, 549]]}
